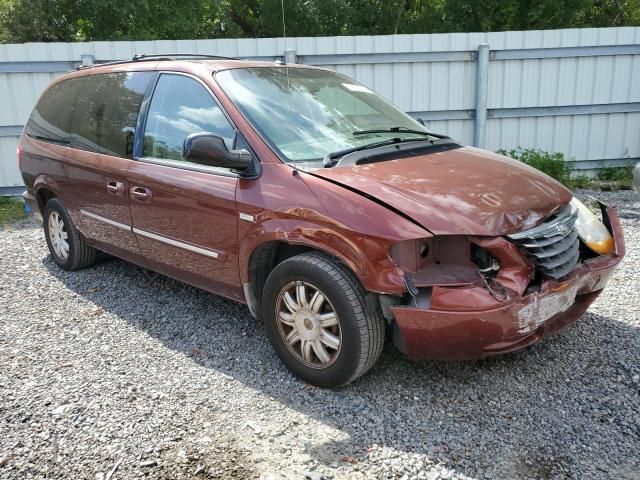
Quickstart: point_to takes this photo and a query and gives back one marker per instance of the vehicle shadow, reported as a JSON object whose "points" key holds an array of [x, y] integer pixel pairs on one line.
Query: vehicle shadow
{"points": [[539, 413]]}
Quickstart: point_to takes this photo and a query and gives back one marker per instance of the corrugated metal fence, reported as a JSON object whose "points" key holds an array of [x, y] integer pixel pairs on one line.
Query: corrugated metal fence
{"points": [[571, 91]]}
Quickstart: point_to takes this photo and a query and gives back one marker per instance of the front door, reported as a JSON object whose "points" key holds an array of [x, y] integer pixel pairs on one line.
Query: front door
{"points": [[184, 214], [104, 120]]}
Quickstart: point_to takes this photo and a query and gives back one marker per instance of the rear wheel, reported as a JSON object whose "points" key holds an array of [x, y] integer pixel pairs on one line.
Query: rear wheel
{"points": [[317, 320], [67, 247]]}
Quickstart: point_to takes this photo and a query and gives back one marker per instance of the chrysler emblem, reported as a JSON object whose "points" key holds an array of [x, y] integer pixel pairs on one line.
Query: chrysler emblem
{"points": [[563, 229]]}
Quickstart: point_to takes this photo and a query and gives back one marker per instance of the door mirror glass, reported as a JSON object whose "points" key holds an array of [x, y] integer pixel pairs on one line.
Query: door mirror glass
{"points": [[209, 149]]}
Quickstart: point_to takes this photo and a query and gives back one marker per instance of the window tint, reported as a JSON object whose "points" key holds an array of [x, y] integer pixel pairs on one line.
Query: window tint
{"points": [[106, 112], [181, 106], [51, 119]]}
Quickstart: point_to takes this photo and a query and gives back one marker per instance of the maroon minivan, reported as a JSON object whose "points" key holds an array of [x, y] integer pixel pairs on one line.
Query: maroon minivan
{"points": [[338, 219]]}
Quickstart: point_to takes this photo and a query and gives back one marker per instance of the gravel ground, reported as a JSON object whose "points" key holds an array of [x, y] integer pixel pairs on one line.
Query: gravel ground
{"points": [[114, 373]]}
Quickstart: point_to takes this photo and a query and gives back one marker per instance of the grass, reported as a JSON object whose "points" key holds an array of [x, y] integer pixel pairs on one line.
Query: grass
{"points": [[11, 209]]}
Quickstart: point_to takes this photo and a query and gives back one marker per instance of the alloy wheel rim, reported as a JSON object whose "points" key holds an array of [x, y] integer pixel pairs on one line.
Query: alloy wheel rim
{"points": [[308, 324], [58, 236]]}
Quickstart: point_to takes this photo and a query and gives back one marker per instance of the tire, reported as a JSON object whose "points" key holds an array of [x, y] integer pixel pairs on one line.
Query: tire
{"points": [[57, 224], [312, 330]]}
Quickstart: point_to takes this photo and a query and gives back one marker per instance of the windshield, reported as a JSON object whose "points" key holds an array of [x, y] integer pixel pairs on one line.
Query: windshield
{"points": [[312, 112]]}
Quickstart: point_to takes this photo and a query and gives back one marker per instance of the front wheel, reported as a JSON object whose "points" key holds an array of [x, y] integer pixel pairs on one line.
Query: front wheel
{"points": [[317, 320]]}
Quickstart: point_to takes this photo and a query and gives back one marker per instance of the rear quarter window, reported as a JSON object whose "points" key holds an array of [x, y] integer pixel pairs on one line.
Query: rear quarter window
{"points": [[51, 118]]}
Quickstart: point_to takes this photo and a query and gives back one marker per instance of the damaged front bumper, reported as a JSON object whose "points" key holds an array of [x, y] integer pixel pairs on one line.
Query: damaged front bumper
{"points": [[469, 322]]}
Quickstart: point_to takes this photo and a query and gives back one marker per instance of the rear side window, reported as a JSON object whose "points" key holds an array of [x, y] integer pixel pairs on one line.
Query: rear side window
{"points": [[51, 119], [106, 112], [181, 106]]}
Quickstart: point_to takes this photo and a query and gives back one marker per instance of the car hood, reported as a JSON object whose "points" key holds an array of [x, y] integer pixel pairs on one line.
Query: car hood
{"points": [[462, 191]]}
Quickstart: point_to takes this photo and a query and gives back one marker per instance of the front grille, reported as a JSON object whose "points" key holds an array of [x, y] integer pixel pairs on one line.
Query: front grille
{"points": [[553, 245]]}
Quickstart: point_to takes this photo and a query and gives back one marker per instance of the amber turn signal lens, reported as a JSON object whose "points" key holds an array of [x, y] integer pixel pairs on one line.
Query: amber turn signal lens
{"points": [[603, 247]]}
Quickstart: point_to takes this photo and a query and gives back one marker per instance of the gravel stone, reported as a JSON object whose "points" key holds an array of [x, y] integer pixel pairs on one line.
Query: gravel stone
{"points": [[117, 373]]}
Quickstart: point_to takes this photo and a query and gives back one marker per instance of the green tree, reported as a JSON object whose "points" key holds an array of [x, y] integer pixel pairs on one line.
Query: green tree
{"points": [[263, 18], [500, 15], [85, 20], [612, 13], [140, 20], [38, 20]]}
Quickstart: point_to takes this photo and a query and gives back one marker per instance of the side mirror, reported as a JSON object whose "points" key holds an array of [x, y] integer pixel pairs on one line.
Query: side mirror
{"points": [[209, 149]]}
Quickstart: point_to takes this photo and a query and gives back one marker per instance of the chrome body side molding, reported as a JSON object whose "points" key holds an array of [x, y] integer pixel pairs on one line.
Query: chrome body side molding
{"points": [[154, 236], [170, 241], [106, 220]]}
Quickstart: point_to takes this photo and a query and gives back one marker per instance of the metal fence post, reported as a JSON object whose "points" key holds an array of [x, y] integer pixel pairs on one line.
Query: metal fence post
{"points": [[87, 59], [290, 56], [482, 75]]}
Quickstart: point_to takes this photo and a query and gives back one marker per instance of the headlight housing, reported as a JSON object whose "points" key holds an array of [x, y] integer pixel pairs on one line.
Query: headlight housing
{"points": [[591, 230]]}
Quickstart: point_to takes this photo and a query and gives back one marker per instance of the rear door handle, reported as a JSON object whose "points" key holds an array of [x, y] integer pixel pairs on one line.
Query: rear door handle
{"points": [[115, 187], [140, 193]]}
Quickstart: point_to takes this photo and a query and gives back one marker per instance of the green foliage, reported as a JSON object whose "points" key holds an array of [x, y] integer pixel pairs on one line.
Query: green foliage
{"points": [[11, 209], [616, 174], [581, 181], [553, 164], [139, 20], [498, 15], [37, 21], [80, 20], [86, 20], [4, 11], [616, 178], [611, 13]]}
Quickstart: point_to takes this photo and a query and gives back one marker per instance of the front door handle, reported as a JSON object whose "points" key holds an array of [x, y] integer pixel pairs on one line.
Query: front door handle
{"points": [[115, 187], [140, 193]]}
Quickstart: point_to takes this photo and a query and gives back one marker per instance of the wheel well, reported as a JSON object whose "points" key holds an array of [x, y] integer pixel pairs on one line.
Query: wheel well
{"points": [[265, 258], [44, 196]]}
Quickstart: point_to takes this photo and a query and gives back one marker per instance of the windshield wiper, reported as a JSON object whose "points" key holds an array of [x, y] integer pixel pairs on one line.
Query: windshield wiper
{"points": [[399, 130], [328, 159]]}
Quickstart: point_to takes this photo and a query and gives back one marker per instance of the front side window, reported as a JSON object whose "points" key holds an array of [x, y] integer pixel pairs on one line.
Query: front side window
{"points": [[181, 106], [307, 113]]}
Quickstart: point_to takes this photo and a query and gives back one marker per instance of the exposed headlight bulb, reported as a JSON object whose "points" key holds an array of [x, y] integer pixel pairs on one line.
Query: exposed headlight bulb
{"points": [[591, 230]]}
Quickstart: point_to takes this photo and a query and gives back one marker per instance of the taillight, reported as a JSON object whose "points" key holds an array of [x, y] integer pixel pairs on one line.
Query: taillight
{"points": [[19, 154]]}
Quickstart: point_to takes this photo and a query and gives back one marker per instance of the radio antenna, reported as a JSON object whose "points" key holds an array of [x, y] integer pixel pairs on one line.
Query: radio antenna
{"points": [[284, 58], [284, 26]]}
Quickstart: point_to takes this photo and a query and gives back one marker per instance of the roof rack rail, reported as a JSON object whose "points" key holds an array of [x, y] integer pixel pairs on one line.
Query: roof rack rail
{"points": [[169, 56], [115, 62], [144, 57]]}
